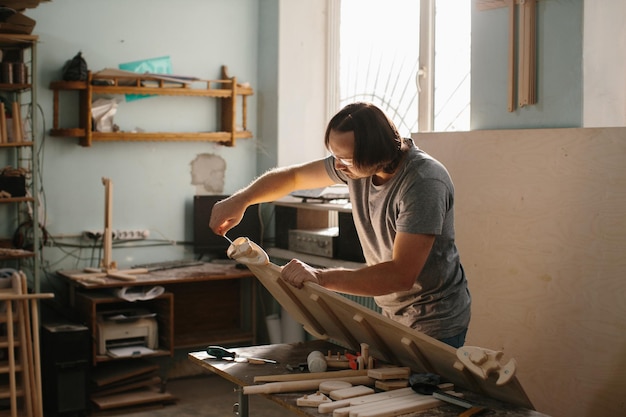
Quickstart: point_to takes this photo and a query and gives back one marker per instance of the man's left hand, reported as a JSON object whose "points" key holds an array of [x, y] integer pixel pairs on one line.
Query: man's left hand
{"points": [[297, 273]]}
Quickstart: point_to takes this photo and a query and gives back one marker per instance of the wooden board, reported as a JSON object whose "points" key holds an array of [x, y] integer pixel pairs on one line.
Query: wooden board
{"points": [[540, 228], [328, 315], [145, 396], [116, 372]]}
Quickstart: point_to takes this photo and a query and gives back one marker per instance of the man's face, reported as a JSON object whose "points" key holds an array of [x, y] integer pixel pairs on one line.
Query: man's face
{"points": [[341, 146]]}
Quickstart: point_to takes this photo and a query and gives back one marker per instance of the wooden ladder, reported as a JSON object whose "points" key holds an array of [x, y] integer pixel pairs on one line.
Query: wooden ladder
{"points": [[20, 364]]}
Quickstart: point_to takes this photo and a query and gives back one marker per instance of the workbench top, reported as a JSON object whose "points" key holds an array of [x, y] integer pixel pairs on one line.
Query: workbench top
{"points": [[205, 272], [243, 374]]}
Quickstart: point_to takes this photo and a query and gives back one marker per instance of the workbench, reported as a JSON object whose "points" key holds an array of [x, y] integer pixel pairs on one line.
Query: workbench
{"points": [[243, 374], [211, 303]]}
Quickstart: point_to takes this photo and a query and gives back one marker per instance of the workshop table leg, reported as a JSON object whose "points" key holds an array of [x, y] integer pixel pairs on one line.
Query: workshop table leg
{"points": [[241, 407]]}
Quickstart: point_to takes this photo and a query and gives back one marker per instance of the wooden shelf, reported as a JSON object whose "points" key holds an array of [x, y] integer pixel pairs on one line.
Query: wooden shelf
{"points": [[90, 304], [16, 144], [226, 89]]}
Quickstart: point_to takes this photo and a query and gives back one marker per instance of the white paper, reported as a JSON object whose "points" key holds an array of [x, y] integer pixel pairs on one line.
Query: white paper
{"points": [[129, 351]]}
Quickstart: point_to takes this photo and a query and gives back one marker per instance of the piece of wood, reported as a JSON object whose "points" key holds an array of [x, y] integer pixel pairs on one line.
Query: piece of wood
{"points": [[389, 373], [295, 386], [355, 391], [16, 125], [121, 276], [483, 362], [381, 404], [391, 384], [382, 334], [403, 407], [310, 375], [3, 124], [312, 400], [107, 239], [327, 387], [327, 408], [511, 58], [118, 371], [145, 396]]}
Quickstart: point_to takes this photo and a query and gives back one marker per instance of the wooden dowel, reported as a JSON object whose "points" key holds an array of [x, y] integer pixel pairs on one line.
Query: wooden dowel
{"points": [[309, 376], [11, 352], [295, 386], [3, 124], [511, 63]]}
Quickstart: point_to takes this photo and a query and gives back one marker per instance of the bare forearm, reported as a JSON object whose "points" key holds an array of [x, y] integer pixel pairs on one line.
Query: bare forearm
{"points": [[380, 279]]}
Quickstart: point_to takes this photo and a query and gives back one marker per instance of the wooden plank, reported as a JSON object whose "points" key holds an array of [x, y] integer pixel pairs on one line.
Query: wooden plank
{"points": [[146, 396], [389, 373], [351, 392], [543, 234], [118, 371]]}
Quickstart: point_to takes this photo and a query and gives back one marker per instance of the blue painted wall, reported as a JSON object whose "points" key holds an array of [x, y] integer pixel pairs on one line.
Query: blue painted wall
{"points": [[152, 180], [559, 68]]}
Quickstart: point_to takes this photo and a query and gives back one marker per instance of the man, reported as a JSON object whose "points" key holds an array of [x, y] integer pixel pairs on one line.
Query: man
{"points": [[403, 209]]}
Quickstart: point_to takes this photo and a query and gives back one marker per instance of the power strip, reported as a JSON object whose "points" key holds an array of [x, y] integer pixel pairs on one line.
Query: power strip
{"points": [[119, 234]]}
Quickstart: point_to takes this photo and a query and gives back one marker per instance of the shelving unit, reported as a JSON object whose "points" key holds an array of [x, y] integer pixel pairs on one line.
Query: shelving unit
{"points": [[226, 89], [20, 152], [89, 305]]}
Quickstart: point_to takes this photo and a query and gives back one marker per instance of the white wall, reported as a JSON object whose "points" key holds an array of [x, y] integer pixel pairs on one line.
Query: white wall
{"points": [[302, 81], [604, 61]]}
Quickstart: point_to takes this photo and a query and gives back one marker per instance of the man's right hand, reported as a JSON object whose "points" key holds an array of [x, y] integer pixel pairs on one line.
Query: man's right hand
{"points": [[226, 214]]}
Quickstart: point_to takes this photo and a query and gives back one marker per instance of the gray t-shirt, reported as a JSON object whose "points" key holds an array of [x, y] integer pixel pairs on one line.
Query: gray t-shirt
{"points": [[419, 198]]}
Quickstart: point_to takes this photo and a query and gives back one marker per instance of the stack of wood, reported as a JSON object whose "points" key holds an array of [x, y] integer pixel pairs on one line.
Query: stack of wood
{"points": [[20, 362], [130, 383]]}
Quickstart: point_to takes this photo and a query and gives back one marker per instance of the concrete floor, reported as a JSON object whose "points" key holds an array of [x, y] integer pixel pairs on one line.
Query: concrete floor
{"points": [[207, 396]]}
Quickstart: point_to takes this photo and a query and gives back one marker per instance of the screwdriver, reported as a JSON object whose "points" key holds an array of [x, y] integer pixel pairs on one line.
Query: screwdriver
{"points": [[220, 353]]}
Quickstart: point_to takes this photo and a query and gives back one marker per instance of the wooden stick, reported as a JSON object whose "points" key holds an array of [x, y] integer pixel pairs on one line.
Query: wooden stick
{"points": [[382, 345], [366, 399], [295, 386], [11, 352], [309, 376], [37, 356], [417, 354], [511, 75], [3, 124], [26, 356], [108, 216], [17, 122], [353, 342]]}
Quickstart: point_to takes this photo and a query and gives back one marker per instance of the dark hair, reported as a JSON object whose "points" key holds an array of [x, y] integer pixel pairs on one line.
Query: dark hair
{"points": [[377, 142]]}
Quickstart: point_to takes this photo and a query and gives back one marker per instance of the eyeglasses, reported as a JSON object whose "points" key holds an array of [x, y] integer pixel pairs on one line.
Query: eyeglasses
{"points": [[343, 161]]}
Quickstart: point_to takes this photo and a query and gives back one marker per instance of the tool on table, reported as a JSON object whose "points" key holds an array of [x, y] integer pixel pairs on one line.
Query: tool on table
{"points": [[220, 353], [427, 384]]}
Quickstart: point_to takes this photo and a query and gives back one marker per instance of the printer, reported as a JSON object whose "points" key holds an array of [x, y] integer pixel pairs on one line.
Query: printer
{"points": [[126, 328]]}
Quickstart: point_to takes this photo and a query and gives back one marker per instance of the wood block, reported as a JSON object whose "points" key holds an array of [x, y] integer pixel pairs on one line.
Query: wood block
{"points": [[389, 373], [392, 384], [356, 391], [327, 387], [312, 400]]}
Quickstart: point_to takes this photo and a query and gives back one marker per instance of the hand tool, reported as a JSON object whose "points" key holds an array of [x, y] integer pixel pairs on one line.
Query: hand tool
{"points": [[220, 353]]}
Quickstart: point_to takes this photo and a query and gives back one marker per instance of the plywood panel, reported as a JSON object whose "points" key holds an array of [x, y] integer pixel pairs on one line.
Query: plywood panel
{"points": [[541, 228]]}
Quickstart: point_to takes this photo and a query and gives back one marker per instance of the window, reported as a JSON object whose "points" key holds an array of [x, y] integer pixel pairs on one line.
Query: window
{"points": [[380, 43]]}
